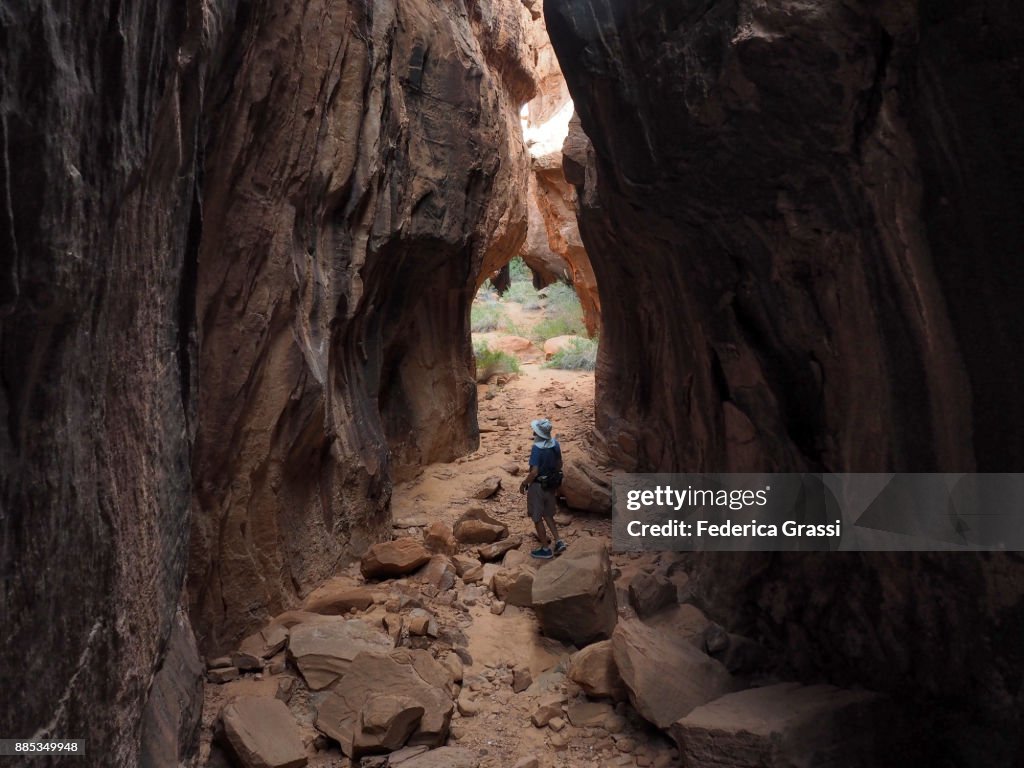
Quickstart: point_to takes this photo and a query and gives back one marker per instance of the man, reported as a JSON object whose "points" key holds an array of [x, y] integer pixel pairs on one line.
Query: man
{"points": [[545, 460]]}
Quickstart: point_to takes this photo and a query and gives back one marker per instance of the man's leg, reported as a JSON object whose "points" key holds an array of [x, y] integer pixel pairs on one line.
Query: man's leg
{"points": [[542, 534], [549, 518], [535, 506]]}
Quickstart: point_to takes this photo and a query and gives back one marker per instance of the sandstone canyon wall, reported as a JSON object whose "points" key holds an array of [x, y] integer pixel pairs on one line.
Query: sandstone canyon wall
{"points": [[99, 114], [553, 249], [310, 191], [809, 213], [366, 170]]}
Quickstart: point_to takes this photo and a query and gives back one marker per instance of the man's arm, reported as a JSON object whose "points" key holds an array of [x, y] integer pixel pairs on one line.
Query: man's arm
{"points": [[530, 477]]}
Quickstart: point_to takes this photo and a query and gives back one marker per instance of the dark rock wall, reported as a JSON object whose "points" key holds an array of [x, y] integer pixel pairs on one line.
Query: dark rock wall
{"points": [[814, 207], [365, 173], [812, 215], [99, 114]]}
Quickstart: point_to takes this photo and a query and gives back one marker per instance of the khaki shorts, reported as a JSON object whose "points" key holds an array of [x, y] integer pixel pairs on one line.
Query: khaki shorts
{"points": [[539, 503]]}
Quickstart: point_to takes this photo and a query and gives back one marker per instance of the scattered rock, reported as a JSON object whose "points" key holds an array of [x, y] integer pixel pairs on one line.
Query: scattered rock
{"points": [[574, 596], [338, 597], [544, 714], [589, 713], [246, 662], [464, 564], [650, 592], [487, 488], [512, 468], [408, 674], [556, 724], [784, 725], [438, 538], [262, 733], [527, 762], [477, 527], [514, 586], [665, 674], [219, 663], [393, 558], [514, 557], [222, 674], [499, 548], [263, 644], [498, 607], [411, 520], [594, 670], [439, 572], [323, 649], [393, 625], [454, 665], [468, 707], [521, 679], [385, 723], [422, 623]]}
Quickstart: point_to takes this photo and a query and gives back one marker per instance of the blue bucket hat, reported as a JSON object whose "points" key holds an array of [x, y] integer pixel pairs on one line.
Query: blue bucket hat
{"points": [[542, 429]]}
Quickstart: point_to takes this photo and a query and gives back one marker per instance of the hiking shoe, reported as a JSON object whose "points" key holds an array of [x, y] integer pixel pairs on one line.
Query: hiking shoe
{"points": [[560, 547], [542, 553]]}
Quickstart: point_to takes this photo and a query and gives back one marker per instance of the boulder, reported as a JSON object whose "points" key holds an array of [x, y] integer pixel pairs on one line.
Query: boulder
{"points": [[323, 649], [262, 733], [514, 585], [666, 675], [589, 713], [409, 520], [385, 724], [422, 623], [475, 526], [407, 674], [586, 486], [499, 548], [439, 539], [222, 674], [785, 725], [594, 670], [487, 487], [512, 345], [556, 344], [574, 595], [338, 596], [521, 679], [259, 646], [464, 564], [649, 593], [439, 572], [393, 558]]}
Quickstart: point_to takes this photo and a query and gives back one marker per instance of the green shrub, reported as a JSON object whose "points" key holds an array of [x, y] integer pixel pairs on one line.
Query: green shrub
{"points": [[486, 316], [519, 272], [563, 315], [491, 362], [523, 293], [579, 355]]}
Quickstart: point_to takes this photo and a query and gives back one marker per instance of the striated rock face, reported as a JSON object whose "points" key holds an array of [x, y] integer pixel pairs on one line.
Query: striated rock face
{"points": [[553, 248], [99, 110], [807, 212], [366, 172]]}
